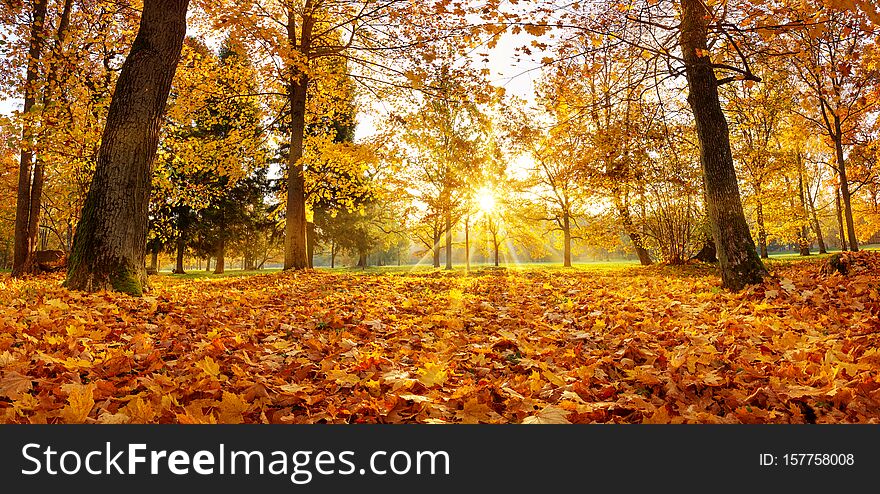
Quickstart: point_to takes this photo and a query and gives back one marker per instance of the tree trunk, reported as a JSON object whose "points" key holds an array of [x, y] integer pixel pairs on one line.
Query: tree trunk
{"points": [[154, 260], [436, 250], [207, 264], [844, 192], [295, 231], [220, 263], [181, 250], [804, 230], [449, 240], [817, 227], [362, 260], [48, 98], [762, 229], [738, 258], [467, 246], [310, 243], [110, 240], [332, 254], [23, 247], [566, 242], [839, 210], [630, 230]]}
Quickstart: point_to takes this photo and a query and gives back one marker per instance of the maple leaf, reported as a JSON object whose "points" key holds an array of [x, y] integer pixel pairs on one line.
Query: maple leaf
{"points": [[549, 415], [13, 385], [232, 406], [80, 402], [433, 374]]}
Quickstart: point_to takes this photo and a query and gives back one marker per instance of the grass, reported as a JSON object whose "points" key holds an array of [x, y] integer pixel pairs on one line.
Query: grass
{"points": [[589, 266]]}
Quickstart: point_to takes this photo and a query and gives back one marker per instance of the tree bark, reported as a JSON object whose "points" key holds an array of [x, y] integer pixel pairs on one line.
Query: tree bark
{"points": [[467, 246], [566, 242], [310, 243], [207, 264], [817, 227], [448, 240], [630, 230], [23, 245], [295, 241], [844, 191], [738, 258], [762, 229], [220, 263], [181, 250], [839, 211], [804, 230], [48, 98], [436, 249], [154, 261], [110, 241]]}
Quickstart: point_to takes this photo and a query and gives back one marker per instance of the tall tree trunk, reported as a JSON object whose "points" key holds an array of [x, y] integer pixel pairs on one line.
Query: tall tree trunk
{"points": [[23, 246], [310, 243], [762, 228], [110, 241], [467, 246], [738, 258], [181, 251], [332, 254], [844, 191], [436, 250], [839, 210], [208, 264], [362, 260], [48, 99], [804, 234], [448, 221], [295, 230], [220, 263], [817, 227], [154, 260], [566, 241]]}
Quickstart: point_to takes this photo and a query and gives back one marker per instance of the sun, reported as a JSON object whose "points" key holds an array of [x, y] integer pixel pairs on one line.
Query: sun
{"points": [[486, 200]]}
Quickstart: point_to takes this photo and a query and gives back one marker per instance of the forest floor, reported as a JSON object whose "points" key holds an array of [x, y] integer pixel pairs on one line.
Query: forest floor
{"points": [[657, 344]]}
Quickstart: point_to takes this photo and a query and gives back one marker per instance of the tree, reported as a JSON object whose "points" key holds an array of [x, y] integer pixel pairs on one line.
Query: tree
{"points": [[110, 241], [838, 82]]}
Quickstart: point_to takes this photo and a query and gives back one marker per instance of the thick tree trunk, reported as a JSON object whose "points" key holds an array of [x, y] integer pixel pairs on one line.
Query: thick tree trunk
{"points": [[220, 263], [208, 264], [110, 242], [839, 211], [295, 230], [154, 261], [181, 250], [845, 194], [23, 245], [738, 258], [566, 242], [362, 260]]}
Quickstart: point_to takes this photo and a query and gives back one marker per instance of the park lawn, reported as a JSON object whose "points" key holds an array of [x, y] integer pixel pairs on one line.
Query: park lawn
{"points": [[613, 344]]}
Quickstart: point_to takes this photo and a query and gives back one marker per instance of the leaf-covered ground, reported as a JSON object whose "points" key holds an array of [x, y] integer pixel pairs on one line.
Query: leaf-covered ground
{"points": [[635, 345]]}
